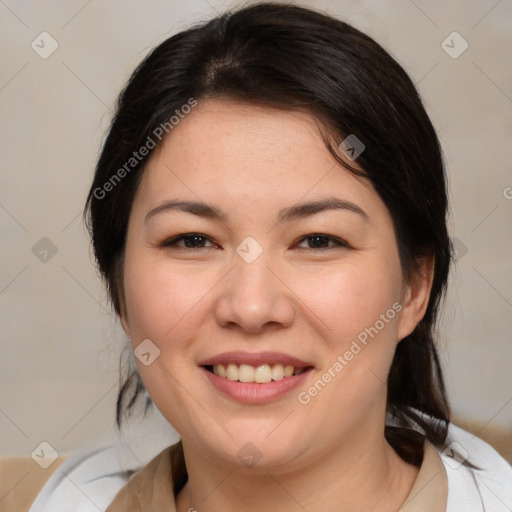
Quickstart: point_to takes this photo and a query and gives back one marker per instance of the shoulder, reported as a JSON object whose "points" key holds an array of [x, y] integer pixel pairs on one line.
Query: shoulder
{"points": [[150, 488], [477, 475], [88, 480]]}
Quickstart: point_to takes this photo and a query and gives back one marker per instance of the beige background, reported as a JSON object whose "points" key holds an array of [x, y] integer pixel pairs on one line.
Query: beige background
{"points": [[60, 345]]}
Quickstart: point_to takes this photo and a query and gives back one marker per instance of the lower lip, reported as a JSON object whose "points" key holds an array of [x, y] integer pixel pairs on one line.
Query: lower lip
{"points": [[255, 393]]}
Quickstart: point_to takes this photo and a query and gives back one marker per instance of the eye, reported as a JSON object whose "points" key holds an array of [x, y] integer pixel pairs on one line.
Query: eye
{"points": [[321, 241], [190, 241]]}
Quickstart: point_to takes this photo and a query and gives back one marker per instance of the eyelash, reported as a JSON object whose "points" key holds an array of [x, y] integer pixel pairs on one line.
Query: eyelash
{"points": [[173, 242]]}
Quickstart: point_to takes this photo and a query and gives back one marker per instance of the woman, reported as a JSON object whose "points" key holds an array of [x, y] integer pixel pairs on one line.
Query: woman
{"points": [[269, 215]]}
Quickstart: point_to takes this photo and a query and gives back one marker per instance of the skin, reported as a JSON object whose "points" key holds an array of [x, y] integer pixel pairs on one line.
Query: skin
{"points": [[193, 303]]}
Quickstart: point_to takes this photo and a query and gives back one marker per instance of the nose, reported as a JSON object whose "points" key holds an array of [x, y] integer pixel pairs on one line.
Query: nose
{"points": [[253, 298]]}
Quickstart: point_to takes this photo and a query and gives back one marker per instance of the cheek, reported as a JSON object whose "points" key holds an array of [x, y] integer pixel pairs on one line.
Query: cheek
{"points": [[168, 306], [348, 301], [161, 298], [356, 313]]}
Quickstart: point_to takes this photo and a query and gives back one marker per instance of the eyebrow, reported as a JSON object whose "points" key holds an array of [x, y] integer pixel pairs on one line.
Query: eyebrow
{"points": [[195, 207], [297, 211], [301, 210]]}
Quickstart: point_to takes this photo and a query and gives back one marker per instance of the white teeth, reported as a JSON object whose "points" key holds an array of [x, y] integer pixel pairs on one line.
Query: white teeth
{"points": [[221, 371], [246, 373], [232, 372], [277, 372], [261, 374]]}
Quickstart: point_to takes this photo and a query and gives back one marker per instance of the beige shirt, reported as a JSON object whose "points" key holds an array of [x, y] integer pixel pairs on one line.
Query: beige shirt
{"points": [[152, 488]]}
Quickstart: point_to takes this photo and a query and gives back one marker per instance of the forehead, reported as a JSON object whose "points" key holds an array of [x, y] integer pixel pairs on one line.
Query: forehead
{"points": [[242, 154]]}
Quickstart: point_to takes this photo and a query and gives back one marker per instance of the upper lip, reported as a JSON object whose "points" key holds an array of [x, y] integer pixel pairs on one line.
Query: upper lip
{"points": [[254, 359]]}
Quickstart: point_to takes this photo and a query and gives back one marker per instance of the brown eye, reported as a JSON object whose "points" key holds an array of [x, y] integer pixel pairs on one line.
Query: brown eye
{"points": [[190, 241], [321, 241]]}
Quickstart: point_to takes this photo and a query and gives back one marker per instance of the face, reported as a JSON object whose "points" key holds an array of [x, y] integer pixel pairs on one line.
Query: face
{"points": [[252, 253]]}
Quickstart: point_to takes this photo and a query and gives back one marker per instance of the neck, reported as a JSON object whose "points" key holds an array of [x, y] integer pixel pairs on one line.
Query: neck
{"points": [[357, 476]]}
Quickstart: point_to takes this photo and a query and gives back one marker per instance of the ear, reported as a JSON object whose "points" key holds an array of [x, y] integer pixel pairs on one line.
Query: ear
{"points": [[124, 321], [415, 297], [123, 316]]}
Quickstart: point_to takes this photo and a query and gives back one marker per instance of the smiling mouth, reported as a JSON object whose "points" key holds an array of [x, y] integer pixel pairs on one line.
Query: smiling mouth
{"points": [[261, 374]]}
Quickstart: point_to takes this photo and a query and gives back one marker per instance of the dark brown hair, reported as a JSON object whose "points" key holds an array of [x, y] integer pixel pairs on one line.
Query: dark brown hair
{"points": [[290, 57]]}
